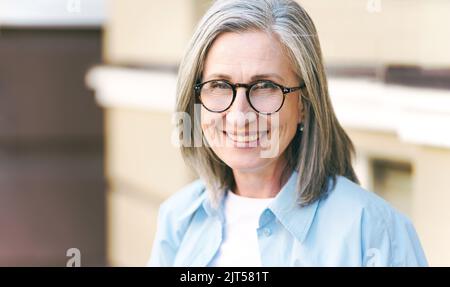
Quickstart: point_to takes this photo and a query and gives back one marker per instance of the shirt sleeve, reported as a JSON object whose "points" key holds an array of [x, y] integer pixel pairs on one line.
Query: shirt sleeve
{"points": [[389, 239], [163, 249], [173, 220]]}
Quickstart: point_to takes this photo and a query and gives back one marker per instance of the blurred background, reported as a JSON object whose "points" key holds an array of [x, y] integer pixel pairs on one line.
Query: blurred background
{"points": [[87, 90]]}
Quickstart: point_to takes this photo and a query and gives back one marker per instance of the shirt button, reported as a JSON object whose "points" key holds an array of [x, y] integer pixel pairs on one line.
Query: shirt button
{"points": [[267, 232]]}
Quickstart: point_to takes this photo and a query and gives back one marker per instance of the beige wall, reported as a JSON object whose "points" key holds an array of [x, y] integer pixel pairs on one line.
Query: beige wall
{"points": [[432, 203], [140, 152], [410, 32], [142, 168], [150, 32]]}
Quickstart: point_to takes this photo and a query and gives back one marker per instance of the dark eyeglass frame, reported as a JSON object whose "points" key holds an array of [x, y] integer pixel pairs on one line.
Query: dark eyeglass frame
{"points": [[248, 87]]}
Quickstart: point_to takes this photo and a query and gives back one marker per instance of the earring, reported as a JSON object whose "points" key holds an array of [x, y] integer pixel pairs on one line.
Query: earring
{"points": [[301, 127]]}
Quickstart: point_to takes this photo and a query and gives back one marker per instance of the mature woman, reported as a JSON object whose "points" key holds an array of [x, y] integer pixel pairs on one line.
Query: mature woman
{"points": [[276, 186]]}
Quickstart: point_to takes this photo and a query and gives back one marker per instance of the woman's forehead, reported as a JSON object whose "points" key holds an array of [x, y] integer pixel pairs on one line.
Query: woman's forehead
{"points": [[250, 53], [255, 45]]}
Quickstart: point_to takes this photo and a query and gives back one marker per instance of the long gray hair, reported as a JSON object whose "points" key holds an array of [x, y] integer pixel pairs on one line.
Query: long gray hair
{"points": [[319, 153]]}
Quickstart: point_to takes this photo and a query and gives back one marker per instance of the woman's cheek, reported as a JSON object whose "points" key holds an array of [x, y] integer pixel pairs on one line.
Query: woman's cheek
{"points": [[208, 131], [209, 124], [206, 122]]}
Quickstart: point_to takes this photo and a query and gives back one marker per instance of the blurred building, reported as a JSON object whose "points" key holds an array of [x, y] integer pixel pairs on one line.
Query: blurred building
{"points": [[52, 187], [389, 69]]}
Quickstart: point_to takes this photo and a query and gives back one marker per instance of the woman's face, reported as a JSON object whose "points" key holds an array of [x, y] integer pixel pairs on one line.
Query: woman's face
{"points": [[244, 139]]}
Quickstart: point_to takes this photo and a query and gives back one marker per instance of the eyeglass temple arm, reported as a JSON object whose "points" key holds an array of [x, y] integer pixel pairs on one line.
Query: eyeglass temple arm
{"points": [[293, 89]]}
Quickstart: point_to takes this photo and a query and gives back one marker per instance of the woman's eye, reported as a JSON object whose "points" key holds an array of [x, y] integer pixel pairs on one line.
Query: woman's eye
{"points": [[219, 85], [265, 85]]}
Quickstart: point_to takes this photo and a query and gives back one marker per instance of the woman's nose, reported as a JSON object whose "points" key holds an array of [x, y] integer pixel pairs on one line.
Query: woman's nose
{"points": [[240, 111]]}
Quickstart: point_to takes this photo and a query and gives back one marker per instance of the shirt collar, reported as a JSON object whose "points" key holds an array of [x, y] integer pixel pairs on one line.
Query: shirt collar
{"points": [[201, 200], [204, 201], [286, 208]]}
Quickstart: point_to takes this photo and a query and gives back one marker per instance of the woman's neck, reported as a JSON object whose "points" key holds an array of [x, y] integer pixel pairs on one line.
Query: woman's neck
{"points": [[262, 183]]}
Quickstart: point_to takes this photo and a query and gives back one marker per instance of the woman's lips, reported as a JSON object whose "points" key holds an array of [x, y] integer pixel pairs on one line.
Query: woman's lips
{"points": [[245, 138]]}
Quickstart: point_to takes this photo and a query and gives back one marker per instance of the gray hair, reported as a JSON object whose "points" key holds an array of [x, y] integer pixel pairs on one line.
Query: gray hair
{"points": [[323, 150]]}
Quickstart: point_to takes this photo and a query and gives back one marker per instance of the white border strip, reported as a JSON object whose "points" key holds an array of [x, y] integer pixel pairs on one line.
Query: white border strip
{"points": [[417, 115], [132, 88], [52, 13]]}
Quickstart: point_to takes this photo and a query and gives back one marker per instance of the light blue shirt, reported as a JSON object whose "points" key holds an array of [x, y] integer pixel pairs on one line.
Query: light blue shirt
{"points": [[348, 227]]}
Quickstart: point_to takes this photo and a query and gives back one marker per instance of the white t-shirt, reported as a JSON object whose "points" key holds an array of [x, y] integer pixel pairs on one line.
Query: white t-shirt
{"points": [[240, 244]]}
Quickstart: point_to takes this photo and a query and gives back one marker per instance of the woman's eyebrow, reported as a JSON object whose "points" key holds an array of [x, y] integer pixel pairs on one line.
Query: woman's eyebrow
{"points": [[218, 76], [266, 76], [253, 78]]}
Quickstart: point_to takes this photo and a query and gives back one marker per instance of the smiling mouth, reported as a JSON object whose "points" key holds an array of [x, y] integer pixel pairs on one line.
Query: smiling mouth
{"points": [[245, 138]]}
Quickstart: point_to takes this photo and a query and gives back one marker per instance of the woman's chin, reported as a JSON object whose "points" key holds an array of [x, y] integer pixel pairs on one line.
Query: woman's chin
{"points": [[246, 163]]}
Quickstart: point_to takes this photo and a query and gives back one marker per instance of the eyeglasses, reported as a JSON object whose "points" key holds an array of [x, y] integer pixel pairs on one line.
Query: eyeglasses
{"points": [[264, 96]]}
